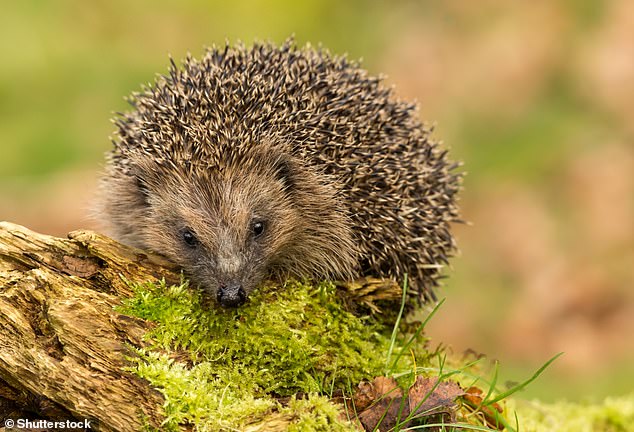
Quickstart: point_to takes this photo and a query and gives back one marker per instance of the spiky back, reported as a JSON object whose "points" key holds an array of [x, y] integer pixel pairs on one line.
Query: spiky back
{"points": [[397, 185]]}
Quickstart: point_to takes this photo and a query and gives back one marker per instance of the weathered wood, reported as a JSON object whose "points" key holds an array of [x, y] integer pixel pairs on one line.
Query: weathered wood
{"points": [[63, 346]]}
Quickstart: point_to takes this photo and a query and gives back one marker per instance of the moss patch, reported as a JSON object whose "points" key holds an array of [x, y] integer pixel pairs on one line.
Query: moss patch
{"points": [[219, 367], [612, 415], [276, 361]]}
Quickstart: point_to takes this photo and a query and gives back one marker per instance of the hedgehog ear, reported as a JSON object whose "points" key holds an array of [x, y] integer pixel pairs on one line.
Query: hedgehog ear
{"points": [[285, 172], [141, 182], [144, 180], [142, 189]]}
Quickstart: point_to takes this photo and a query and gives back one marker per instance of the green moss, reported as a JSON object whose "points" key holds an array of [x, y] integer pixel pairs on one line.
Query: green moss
{"points": [[286, 340], [316, 413], [194, 395], [230, 369], [611, 415]]}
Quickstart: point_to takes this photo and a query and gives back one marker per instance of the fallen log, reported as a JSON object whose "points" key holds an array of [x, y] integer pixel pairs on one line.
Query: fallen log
{"points": [[63, 346]]}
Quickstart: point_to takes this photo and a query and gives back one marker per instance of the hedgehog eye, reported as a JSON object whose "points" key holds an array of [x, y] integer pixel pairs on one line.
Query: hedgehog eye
{"points": [[189, 238], [258, 228]]}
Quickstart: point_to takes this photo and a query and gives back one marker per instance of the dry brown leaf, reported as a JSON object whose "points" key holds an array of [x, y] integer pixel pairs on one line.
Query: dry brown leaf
{"points": [[381, 405], [428, 396], [474, 398]]}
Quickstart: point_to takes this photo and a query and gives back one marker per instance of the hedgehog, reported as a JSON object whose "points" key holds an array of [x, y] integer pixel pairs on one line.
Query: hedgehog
{"points": [[277, 161]]}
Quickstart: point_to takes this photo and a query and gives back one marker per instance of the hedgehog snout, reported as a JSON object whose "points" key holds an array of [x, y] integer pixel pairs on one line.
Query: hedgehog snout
{"points": [[231, 294]]}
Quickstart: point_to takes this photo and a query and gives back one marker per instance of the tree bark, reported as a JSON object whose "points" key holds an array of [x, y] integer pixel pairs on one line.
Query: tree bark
{"points": [[63, 346]]}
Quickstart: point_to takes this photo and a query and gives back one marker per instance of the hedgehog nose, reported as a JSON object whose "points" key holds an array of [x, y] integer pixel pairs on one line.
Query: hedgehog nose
{"points": [[231, 294]]}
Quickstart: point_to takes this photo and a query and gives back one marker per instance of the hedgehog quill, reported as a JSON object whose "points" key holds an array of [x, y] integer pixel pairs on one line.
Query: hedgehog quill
{"points": [[277, 161]]}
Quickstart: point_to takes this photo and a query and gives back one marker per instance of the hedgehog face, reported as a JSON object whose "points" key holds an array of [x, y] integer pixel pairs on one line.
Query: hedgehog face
{"points": [[233, 224], [229, 240], [224, 227]]}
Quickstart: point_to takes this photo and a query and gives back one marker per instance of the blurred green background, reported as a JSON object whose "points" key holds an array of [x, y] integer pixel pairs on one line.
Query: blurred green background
{"points": [[537, 99]]}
